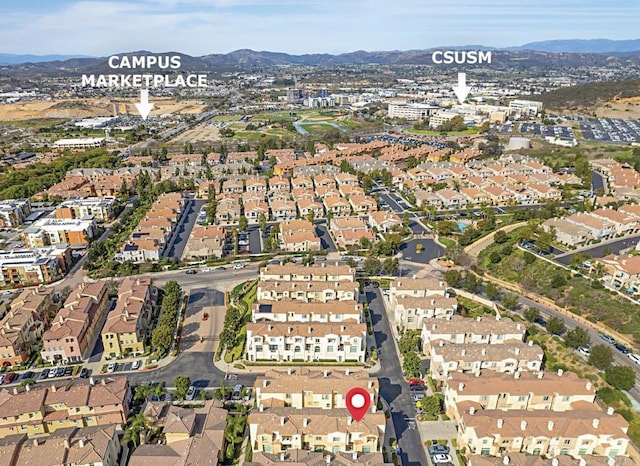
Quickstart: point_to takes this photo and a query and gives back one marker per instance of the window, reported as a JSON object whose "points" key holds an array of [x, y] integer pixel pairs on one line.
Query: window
{"points": [[567, 441], [545, 398], [273, 348], [522, 398]]}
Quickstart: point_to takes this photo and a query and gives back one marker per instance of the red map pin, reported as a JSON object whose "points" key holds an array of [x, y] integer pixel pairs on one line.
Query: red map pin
{"points": [[358, 401]]}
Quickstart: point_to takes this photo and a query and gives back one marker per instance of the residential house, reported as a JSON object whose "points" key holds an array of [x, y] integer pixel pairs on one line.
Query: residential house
{"points": [[326, 272], [621, 271], [205, 242], [362, 205], [283, 210], [299, 235], [296, 311], [383, 221], [323, 291], [336, 205], [34, 266]]}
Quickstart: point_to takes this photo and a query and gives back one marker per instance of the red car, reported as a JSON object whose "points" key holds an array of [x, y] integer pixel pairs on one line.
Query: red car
{"points": [[416, 382], [9, 377]]}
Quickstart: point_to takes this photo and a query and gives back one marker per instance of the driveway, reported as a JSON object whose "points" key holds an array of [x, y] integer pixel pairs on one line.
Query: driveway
{"points": [[198, 334], [184, 227], [326, 241]]}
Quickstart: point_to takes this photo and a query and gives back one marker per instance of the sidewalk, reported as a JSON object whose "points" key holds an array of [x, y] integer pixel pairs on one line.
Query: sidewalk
{"points": [[96, 366]]}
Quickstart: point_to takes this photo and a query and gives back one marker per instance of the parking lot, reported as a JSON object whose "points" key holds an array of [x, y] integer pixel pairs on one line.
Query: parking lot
{"points": [[611, 130]]}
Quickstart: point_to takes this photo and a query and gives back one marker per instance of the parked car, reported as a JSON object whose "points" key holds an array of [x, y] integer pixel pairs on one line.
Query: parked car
{"points": [[438, 450], [620, 347], [238, 266], [583, 350], [59, 372], [607, 339], [26, 375], [441, 459], [44, 374], [68, 371], [85, 373], [10, 377], [53, 372], [136, 365], [191, 272], [111, 367], [415, 381], [634, 357], [191, 393], [541, 321], [222, 267]]}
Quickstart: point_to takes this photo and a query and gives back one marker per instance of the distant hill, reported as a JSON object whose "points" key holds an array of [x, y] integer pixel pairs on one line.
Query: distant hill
{"points": [[582, 46], [591, 95], [10, 59]]}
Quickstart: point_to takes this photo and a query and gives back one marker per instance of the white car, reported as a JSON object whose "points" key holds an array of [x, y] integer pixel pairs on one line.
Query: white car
{"points": [[136, 365], [191, 393], [584, 351], [441, 459], [634, 357], [111, 367], [238, 266]]}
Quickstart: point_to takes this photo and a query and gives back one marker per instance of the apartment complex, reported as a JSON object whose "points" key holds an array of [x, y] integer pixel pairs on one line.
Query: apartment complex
{"points": [[43, 409], [75, 327], [34, 266], [48, 231], [126, 328], [13, 212], [102, 208]]}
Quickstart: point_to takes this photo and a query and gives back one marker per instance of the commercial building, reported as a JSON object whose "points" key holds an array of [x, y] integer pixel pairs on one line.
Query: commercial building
{"points": [[79, 143], [411, 110]]}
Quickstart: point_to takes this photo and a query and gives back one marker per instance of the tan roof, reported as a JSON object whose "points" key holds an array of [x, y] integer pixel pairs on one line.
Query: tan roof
{"points": [[385, 217], [296, 307], [299, 379], [627, 264], [472, 352], [319, 286], [542, 423], [207, 232], [429, 302], [457, 324], [522, 459], [348, 222], [297, 237], [297, 269], [297, 225], [319, 422], [492, 383], [427, 283], [306, 329]]}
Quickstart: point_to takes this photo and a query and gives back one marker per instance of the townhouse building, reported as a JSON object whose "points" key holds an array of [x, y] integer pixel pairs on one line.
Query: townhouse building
{"points": [[325, 291], [299, 235], [283, 209], [349, 231], [312, 458], [276, 430], [551, 391], [23, 325], [476, 357], [228, 209], [43, 409], [301, 387], [295, 311], [621, 271], [76, 325], [126, 329], [308, 206], [415, 299], [585, 430], [462, 330], [326, 272], [335, 204], [383, 221], [564, 460], [206, 242]]}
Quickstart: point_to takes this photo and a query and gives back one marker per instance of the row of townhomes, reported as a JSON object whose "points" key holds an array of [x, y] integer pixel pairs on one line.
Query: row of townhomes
{"points": [[592, 227], [154, 232], [301, 418], [307, 313]]}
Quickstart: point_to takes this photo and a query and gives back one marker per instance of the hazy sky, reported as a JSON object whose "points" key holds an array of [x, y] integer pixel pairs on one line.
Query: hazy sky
{"points": [[198, 27]]}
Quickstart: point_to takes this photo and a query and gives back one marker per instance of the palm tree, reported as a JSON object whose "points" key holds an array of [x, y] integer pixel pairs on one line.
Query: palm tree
{"points": [[234, 433], [136, 425]]}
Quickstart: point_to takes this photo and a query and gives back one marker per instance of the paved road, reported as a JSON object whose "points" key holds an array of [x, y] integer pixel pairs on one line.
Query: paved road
{"points": [[326, 242], [254, 239], [597, 182], [186, 223], [393, 387], [597, 250]]}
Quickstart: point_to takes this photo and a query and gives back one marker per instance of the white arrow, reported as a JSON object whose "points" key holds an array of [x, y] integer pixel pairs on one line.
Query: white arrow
{"points": [[462, 90], [144, 107]]}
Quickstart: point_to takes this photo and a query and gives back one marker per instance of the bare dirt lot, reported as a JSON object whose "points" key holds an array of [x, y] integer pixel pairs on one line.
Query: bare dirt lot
{"points": [[86, 108], [201, 133]]}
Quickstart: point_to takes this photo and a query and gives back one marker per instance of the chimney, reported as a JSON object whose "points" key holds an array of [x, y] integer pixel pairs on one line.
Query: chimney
{"points": [[81, 442], [282, 457], [35, 442], [550, 425], [540, 374], [560, 372], [15, 390], [517, 351], [265, 383], [354, 456], [103, 381], [484, 351], [27, 387], [530, 343], [472, 410], [589, 385], [289, 371], [506, 460], [282, 420], [346, 372], [460, 386], [305, 422], [349, 420], [53, 388], [464, 352], [595, 423], [518, 326], [479, 318], [270, 327], [610, 410], [500, 423], [523, 425], [370, 383], [261, 408], [327, 459], [433, 326], [309, 329], [516, 375], [66, 444], [441, 343], [92, 381], [342, 328], [325, 374]]}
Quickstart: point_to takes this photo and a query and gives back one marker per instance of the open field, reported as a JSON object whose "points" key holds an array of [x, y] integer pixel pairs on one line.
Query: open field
{"points": [[201, 133], [87, 108]]}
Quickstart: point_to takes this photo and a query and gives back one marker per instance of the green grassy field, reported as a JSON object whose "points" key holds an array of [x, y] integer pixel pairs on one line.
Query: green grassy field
{"points": [[36, 124]]}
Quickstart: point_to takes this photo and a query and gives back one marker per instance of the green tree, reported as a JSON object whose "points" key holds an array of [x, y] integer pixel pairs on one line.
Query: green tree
{"points": [[409, 342], [243, 223], [620, 377], [411, 365], [531, 314], [452, 277], [601, 356], [576, 337], [390, 266], [500, 237], [262, 221], [431, 405], [491, 291], [161, 338], [470, 283], [446, 227], [529, 258], [509, 301], [371, 266], [138, 426], [555, 325], [233, 434], [182, 384]]}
